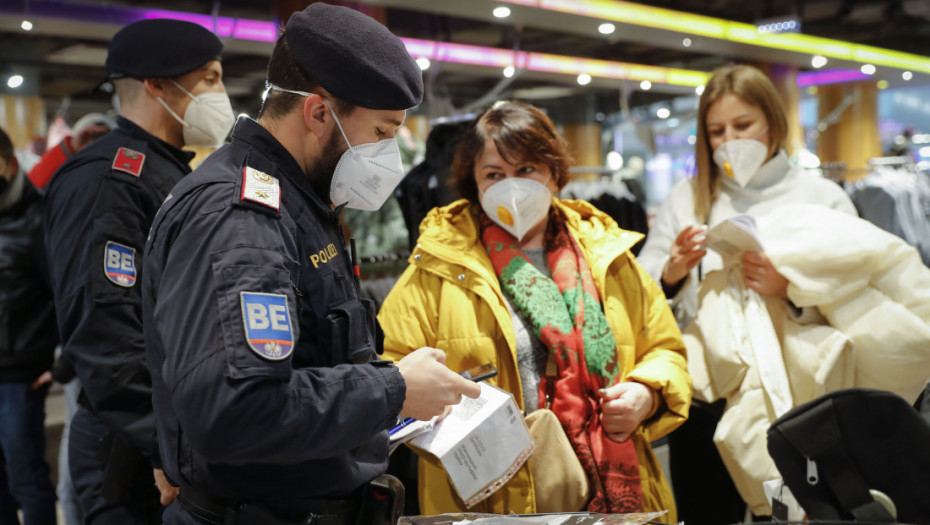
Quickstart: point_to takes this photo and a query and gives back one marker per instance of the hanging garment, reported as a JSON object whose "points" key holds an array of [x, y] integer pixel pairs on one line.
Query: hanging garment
{"points": [[897, 201]]}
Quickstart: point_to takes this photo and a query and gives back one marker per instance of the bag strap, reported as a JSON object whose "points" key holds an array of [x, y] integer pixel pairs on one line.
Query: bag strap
{"points": [[816, 434]]}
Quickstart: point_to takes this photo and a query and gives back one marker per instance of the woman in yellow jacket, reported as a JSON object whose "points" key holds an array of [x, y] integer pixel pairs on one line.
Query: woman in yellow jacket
{"points": [[512, 276]]}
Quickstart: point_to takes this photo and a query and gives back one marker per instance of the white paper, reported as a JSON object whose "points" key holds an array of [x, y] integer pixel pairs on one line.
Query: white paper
{"points": [[776, 490], [734, 236], [409, 432], [482, 443]]}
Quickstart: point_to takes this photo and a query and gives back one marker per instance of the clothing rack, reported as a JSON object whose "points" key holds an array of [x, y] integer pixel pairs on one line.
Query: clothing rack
{"points": [[891, 161], [386, 257]]}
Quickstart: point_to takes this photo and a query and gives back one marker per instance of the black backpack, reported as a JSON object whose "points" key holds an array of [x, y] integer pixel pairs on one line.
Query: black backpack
{"points": [[831, 451]]}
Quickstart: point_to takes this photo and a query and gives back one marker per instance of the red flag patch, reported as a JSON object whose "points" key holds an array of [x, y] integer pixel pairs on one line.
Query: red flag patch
{"points": [[129, 161]]}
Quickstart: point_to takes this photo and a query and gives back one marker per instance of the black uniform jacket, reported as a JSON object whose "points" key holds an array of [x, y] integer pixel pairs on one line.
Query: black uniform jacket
{"points": [[267, 385], [99, 207]]}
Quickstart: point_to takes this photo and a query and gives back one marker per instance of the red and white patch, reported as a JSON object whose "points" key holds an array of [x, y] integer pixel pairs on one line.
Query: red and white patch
{"points": [[260, 187], [129, 161]]}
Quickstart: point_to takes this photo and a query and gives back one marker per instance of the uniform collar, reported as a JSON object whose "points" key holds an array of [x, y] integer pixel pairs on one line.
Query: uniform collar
{"points": [[135, 131], [262, 141]]}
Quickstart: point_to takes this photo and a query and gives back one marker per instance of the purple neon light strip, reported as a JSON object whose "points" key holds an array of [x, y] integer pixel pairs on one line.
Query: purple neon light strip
{"points": [[241, 28], [829, 76], [266, 31]]}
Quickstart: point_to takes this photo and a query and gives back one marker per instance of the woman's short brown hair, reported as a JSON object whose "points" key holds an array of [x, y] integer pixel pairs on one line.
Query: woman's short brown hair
{"points": [[751, 85], [521, 132]]}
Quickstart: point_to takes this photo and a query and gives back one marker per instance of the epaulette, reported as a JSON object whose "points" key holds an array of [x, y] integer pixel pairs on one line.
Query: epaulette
{"points": [[129, 161], [259, 187]]}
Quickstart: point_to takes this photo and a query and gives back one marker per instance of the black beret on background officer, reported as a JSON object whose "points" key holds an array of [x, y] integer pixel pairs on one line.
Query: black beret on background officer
{"points": [[272, 403], [99, 208]]}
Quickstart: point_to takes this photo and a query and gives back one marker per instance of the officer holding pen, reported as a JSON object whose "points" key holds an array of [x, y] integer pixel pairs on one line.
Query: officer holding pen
{"points": [[273, 406], [99, 207]]}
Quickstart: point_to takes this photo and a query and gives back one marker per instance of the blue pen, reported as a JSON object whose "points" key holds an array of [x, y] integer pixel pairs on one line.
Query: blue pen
{"points": [[400, 426]]}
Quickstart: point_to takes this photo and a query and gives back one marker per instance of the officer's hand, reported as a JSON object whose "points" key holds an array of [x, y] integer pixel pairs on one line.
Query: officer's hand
{"points": [[431, 387], [168, 491]]}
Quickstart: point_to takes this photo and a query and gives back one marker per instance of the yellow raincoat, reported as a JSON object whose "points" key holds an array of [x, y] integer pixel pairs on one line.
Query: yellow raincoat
{"points": [[450, 298]]}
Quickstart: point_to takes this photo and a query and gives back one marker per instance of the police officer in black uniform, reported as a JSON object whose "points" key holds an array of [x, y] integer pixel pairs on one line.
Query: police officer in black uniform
{"points": [[272, 404], [99, 208]]}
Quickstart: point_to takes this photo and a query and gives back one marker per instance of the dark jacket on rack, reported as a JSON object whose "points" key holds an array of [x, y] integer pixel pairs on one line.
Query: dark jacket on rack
{"points": [[27, 314], [426, 186]]}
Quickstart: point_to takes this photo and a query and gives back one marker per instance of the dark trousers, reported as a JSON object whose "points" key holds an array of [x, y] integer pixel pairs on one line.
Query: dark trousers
{"points": [[140, 506], [27, 482], [704, 491], [175, 514]]}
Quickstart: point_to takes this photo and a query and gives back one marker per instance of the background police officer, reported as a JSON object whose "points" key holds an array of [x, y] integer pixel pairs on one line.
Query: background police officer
{"points": [[99, 208], [272, 405]]}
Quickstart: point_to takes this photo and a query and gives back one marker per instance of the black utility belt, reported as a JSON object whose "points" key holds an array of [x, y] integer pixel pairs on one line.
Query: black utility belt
{"points": [[379, 502]]}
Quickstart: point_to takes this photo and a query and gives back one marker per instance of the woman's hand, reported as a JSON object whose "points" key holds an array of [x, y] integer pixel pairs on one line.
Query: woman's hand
{"points": [[624, 406], [760, 275], [687, 250]]}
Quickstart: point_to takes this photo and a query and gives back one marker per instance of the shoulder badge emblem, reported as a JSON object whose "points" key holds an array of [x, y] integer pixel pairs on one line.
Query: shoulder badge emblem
{"points": [[129, 161], [119, 264], [261, 188], [267, 323]]}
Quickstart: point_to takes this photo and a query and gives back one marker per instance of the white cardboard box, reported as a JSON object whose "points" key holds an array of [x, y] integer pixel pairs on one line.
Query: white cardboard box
{"points": [[482, 443]]}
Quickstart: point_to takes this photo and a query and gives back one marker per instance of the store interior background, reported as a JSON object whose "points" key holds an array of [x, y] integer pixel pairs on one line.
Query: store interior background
{"points": [[620, 79]]}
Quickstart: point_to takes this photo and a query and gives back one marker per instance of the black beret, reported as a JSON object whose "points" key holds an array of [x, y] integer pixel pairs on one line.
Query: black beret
{"points": [[159, 48], [354, 57]]}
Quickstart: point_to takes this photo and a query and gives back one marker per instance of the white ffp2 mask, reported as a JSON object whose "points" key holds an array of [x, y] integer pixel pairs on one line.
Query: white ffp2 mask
{"points": [[740, 159], [366, 174], [207, 119], [517, 204]]}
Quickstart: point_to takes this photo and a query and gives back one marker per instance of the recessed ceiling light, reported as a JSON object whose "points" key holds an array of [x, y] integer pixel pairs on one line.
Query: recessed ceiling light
{"points": [[867, 69], [699, 90], [26, 25], [584, 79], [14, 81], [645, 85], [509, 71], [818, 61], [501, 12], [907, 75], [423, 62], [606, 28], [686, 42], [663, 113]]}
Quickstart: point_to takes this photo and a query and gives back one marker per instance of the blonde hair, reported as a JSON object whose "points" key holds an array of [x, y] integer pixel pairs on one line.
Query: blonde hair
{"points": [[755, 88]]}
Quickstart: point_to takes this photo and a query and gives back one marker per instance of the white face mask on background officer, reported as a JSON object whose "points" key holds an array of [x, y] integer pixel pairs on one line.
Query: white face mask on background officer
{"points": [[207, 113], [739, 138], [517, 196]]}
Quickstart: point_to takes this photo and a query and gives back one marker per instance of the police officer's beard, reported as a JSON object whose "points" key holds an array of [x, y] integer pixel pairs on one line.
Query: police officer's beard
{"points": [[321, 171]]}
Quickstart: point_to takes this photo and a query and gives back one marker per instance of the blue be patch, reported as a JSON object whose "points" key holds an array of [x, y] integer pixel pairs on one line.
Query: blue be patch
{"points": [[119, 264], [267, 324]]}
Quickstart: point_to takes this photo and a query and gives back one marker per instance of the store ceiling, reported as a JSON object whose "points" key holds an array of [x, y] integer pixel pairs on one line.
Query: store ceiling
{"points": [[62, 57]]}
